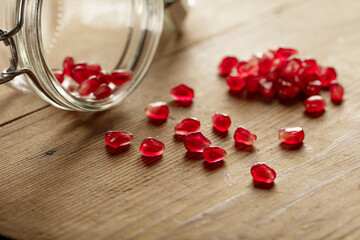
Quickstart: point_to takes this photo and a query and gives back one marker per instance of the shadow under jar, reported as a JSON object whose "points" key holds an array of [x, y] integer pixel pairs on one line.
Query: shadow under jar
{"points": [[115, 34]]}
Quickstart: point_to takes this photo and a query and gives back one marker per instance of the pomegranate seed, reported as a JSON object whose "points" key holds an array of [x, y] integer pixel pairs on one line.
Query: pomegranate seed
{"points": [[265, 64], [196, 142], [235, 83], [68, 66], [186, 126], [287, 90], [157, 110], [313, 88], [151, 147], [94, 69], [182, 93], [252, 83], [262, 173], [221, 122], [336, 93], [80, 74], [314, 104], [59, 75], [284, 53], [291, 68], [88, 86], [291, 135], [103, 91], [244, 136], [227, 65], [118, 139], [328, 75], [310, 66], [267, 89], [249, 68], [119, 77], [104, 78], [214, 154]]}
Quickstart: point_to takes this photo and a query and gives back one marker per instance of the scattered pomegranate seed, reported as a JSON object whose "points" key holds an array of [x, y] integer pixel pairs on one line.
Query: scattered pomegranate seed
{"points": [[265, 64], [104, 78], [235, 83], [284, 53], [186, 126], [328, 75], [267, 88], [249, 68], [119, 77], [262, 173], [227, 65], [196, 142], [118, 139], [310, 66], [336, 93], [59, 75], [94, 69], [89, 86], [252, 83], [68, 66], [291, 135], [312, 88], [221, 122], [80, 74], [314, 104], [291, 68], [182, 93], [288, 90], [157, 110], [151, 147], [214, 154], [103, 91], [244, 136]]}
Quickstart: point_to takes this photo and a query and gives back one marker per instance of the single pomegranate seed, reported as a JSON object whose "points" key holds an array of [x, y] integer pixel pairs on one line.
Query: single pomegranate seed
{"points": [[214, 154], [288, 90], [328, 75], [118, 139], [196, 142], [262, 173], [94, 69], [291, 135], [249, 68], [284, 53], [336, 93], [182, 93], [89, 86], [235, 83], [310, 66], [252, 83], [265, 64], [80, 74], [157, 110], [186, 126], [68, 66], [103, 91], [221, 122], [151, 147], [104, 77], [227, 65], [314, 104], [244, 136], [59, 75], [119, 77], [313, 88], [291, 68], [267, 89]]}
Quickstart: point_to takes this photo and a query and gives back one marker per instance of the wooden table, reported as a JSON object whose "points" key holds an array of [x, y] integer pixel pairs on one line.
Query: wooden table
{"points": [[58, 180]]}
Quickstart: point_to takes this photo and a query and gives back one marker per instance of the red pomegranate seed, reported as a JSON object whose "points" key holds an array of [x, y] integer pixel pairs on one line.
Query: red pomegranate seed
{"points": [[312, 88], [89, 86], [59, 75], [196, 142], [265, 64], [310, 66], [249, 68], [244, 136], [252, 83], [328, 75], [235, 83], [186, 126], [284, 53], [157, 110], [94, 69], [287, 90], [103, 91], [119, 77], [227, 65], [267, 89], [214, 154], [291, 68], [314, 104], [68, 66], [151, 147], [262, 173], [104, 77], [291, 135], [221, 122], [118, 139], [80, 74], [336, 93], [182, 93]]}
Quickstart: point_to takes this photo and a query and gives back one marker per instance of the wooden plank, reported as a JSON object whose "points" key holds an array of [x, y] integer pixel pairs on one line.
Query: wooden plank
{"points": [[59, 181]]}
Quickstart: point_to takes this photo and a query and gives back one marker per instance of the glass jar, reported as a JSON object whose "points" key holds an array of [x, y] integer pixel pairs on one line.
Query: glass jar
{"points": [[115, 34]]}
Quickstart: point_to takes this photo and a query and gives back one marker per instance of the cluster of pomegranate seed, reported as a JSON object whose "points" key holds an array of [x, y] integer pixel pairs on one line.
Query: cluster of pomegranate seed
{"points": [[89, 79], [278, 73]]}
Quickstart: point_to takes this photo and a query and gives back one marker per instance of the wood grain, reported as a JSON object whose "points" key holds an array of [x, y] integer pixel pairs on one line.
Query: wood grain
{"points": [[58, 180]]}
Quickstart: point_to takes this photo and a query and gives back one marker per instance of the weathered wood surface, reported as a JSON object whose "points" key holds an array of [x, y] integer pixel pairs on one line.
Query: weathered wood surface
{"points": [[59, 181]]}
